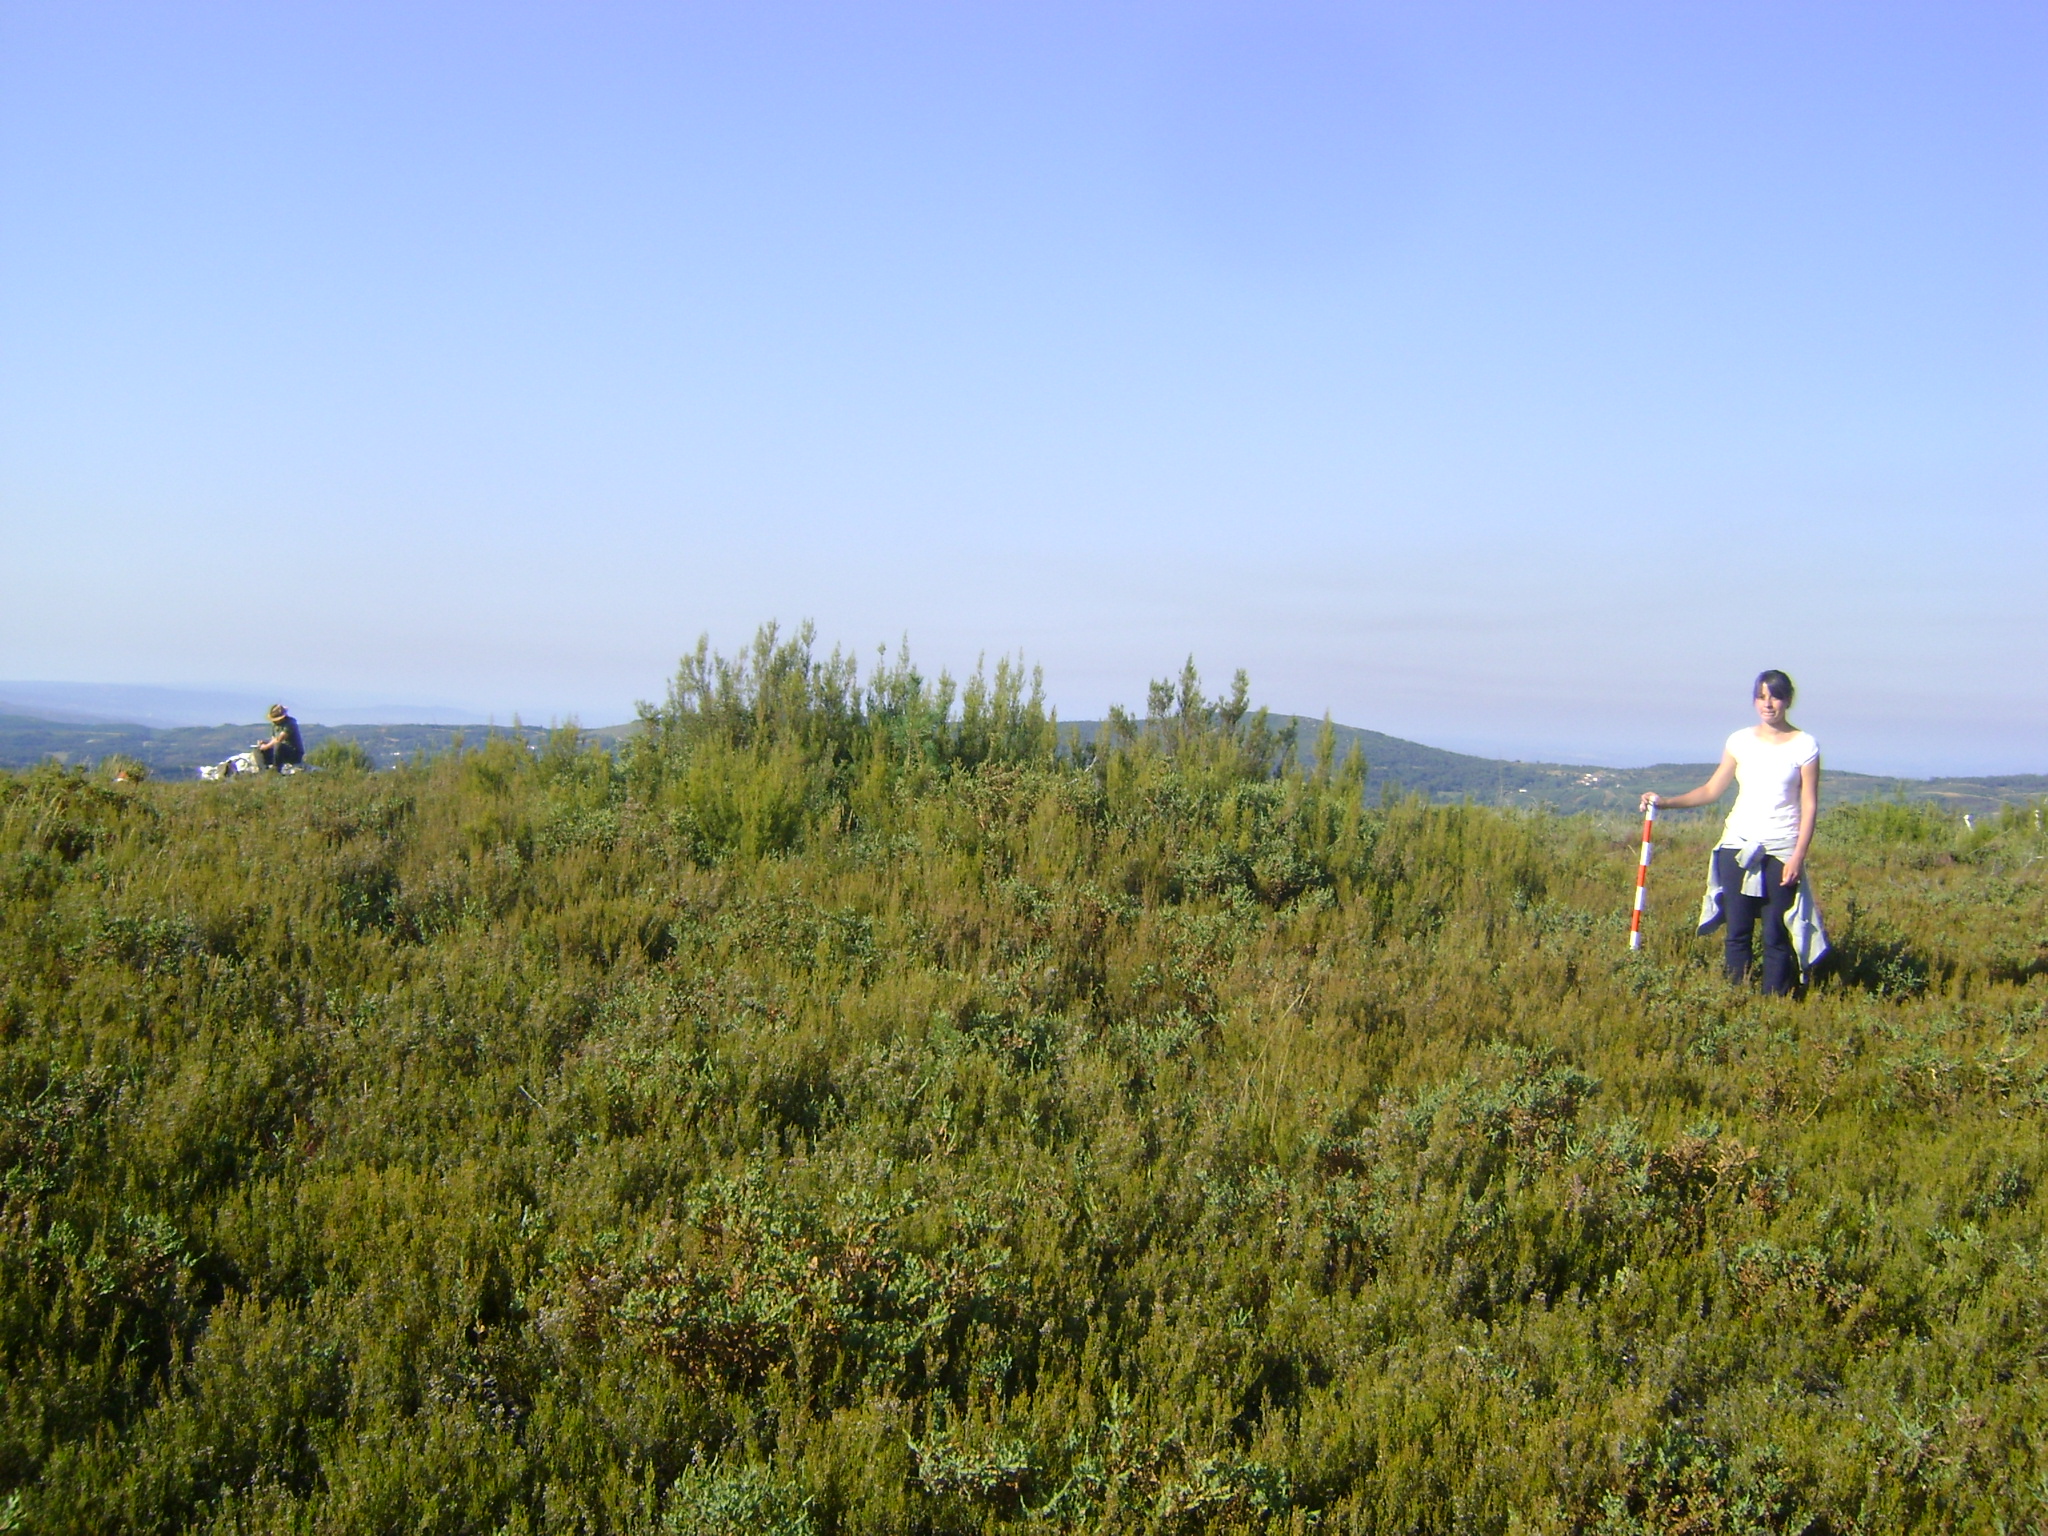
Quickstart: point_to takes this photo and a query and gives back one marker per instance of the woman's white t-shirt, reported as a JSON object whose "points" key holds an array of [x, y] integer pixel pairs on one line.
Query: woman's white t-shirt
{"points": [[1767, 804]]}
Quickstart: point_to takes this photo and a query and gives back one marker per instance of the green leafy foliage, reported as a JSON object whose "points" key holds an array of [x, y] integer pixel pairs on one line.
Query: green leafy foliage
{"points": [[340, 754], [851, 1108]]}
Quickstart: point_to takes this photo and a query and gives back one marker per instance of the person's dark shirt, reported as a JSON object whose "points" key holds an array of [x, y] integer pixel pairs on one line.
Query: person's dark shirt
{"points": [[291, 748]]}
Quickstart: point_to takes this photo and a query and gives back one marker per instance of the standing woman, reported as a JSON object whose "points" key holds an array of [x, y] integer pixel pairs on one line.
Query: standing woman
{"points": [[1759, 866]]}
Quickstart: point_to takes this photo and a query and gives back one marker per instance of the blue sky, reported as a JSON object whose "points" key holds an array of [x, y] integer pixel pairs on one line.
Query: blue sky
{"points": [[1518, 379]]}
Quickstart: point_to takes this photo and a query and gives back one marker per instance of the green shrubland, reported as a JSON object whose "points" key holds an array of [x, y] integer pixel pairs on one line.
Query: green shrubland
{"points": [[852, 1109]]}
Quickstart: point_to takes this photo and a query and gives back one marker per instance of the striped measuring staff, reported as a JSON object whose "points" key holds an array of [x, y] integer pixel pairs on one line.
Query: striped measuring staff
{"points": [[1635, 918]]}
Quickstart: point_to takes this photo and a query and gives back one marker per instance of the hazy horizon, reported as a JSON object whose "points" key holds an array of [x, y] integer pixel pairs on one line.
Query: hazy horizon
{"points": [[173, 708]]}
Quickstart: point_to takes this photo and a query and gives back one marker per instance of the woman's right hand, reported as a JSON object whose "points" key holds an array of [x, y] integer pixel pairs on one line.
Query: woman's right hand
{"points": [[1650, 801]]}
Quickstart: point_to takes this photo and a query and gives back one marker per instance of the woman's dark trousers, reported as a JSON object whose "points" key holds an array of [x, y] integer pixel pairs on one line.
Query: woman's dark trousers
{"points": [[1781, 966]]}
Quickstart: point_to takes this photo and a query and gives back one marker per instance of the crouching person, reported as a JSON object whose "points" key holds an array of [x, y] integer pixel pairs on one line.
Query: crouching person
{"points": [[285, 744]]}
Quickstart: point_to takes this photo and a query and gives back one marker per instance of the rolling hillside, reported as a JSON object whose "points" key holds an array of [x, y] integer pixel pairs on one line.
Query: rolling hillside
{"points": [[26, 741]]}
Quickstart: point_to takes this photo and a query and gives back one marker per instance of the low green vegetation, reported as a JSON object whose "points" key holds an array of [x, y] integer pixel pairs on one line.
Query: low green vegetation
{"points": [[849, 1109]]}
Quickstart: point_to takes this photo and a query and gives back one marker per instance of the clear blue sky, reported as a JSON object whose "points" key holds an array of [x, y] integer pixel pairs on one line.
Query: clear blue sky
{"points": [[1515, 378]]}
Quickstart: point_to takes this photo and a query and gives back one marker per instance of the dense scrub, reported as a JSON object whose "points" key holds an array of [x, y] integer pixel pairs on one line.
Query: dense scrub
{"points": [[847, 1112]]}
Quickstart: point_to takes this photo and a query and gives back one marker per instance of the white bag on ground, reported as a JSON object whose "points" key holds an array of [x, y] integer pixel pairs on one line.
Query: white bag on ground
{"points": [[241, 762]]}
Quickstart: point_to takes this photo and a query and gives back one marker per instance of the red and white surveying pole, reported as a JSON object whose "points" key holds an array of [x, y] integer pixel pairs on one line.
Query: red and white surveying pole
{"points": [[1635, 918]]}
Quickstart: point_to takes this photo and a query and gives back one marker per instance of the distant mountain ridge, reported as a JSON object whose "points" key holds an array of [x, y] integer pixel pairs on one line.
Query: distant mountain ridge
{"points": [[1437, 774], [25, 742], [1393, 764]]}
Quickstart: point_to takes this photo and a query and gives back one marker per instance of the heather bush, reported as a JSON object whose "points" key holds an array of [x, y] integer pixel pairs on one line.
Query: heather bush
{"points": [[855, 1108]]}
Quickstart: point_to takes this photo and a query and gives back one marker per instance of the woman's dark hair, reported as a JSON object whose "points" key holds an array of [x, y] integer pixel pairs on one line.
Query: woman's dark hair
{"points": [[1776, 683]]}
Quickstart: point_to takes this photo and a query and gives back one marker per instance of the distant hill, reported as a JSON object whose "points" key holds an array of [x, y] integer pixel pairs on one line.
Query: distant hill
{"points": [[25, 741], [1393, 764], [1589, 787], [1410, 767]]}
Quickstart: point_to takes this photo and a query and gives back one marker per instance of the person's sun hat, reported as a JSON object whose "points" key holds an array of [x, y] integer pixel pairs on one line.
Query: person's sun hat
{"points": [[277, 711]]}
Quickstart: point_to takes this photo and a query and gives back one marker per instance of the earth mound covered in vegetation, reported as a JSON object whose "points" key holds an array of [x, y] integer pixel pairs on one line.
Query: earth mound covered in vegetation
{"points": [[848, 1108]]}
